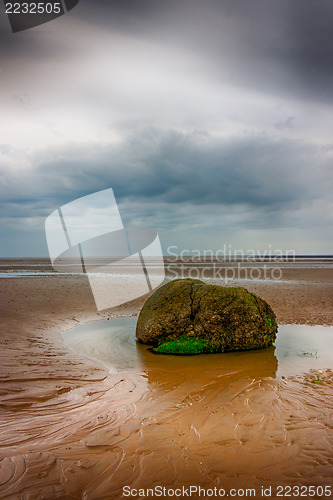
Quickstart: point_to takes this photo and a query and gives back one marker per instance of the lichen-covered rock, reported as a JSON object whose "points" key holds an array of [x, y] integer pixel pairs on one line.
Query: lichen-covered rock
{"points": [[187, 316]]}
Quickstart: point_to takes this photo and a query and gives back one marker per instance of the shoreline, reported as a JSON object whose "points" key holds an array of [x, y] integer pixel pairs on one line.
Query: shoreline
{"points": [[102, 412]]}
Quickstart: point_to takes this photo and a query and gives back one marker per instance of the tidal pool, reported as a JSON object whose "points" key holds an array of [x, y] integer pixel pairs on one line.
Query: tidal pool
{"points": [[298, 349]]}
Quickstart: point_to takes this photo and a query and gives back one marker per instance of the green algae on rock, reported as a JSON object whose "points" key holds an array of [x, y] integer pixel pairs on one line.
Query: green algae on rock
{"points": [[188, 316], [184, 345]]}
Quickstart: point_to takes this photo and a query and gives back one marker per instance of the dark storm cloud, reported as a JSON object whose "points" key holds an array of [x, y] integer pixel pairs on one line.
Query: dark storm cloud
{"points": [[279, 47], [282, 47], [175, 168], [255, 75]]}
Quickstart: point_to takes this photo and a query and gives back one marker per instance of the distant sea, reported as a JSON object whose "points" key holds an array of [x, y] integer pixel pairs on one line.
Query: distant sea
{"points": [[39, 267]]}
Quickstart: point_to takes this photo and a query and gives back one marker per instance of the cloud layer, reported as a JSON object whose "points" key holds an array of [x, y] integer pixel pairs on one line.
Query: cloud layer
{"points": [[211, 120]]}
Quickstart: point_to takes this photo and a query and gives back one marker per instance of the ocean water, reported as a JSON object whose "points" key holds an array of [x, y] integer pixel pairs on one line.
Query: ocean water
{"points": [[219, 271]]}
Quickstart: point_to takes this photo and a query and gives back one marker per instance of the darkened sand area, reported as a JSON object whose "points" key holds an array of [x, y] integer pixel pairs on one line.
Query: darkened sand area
{"points": [[72, 429]]}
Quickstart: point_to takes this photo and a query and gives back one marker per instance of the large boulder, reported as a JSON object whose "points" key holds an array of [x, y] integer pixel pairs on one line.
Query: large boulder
{"points": [[187, 316]]}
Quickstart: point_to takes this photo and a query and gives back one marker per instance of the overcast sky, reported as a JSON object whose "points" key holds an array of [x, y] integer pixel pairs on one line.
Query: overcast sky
{"points": [[212, 120]]}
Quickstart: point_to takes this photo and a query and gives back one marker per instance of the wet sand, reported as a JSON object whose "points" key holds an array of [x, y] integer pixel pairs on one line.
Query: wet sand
{"points": [[72, 429]]}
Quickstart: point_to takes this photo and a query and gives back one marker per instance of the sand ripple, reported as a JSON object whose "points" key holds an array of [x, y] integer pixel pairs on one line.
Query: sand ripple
{"points": [[169, 427]]}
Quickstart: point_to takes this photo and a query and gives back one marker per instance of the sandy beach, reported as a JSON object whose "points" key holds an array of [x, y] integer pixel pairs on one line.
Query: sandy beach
{"points": [[73, 429]]}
